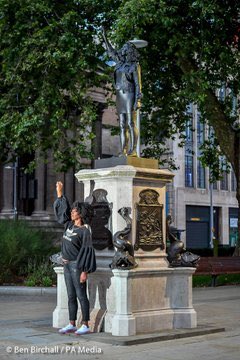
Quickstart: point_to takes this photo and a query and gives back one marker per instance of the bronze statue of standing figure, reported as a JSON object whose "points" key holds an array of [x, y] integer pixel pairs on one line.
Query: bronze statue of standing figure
{"points": [[127, 78]]}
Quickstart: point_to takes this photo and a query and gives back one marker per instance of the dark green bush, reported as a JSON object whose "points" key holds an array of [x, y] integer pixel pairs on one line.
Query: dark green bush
{"points": [[201, 280], [206, 280], [18, 243], [39, 273]]}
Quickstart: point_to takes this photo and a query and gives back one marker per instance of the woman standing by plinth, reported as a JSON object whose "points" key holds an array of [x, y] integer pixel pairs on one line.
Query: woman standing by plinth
{"points": [[78, 257]]}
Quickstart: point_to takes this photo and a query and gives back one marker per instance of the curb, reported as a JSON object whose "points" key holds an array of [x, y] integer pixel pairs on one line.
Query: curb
{"points": [[25, 290], [155, 337]]}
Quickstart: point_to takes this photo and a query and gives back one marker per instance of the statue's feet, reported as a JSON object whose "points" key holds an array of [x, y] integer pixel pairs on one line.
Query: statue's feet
{"points": [[122, 154], [133, 153]]}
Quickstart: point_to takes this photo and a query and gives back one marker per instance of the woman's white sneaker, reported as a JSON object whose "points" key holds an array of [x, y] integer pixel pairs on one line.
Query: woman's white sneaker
{"points": [[68, 329], [84, 329]]}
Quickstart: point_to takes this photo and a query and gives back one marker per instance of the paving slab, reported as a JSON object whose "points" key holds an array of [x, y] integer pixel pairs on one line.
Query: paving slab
{"points": [[27, 333], [153, 337]]}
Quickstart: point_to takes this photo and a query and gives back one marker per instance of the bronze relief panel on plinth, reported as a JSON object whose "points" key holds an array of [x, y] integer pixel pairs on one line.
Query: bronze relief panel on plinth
{"points": [[149, 221]]}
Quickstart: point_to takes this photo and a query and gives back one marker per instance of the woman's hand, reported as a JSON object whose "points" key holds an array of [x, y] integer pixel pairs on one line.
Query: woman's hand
{"points": [[59, 188], [83, 277]]}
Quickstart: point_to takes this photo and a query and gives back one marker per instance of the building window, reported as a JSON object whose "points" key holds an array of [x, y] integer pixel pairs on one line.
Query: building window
{"points": [[233, 226], [188, 171], [200, 176], [224, 181], [224, 175], [189, 168], [215, 185], [201, 181], [233, 181]]}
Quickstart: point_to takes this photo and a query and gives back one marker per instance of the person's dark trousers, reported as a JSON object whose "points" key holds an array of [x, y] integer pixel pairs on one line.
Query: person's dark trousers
{"points": [[75, 290]]}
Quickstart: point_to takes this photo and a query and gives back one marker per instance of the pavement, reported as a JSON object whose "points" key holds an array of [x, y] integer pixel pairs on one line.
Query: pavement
{"points": [[27, 333]]}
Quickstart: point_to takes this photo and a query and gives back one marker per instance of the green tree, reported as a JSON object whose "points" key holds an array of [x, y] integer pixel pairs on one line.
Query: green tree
{"points": [[193, 51], [49, 59]]}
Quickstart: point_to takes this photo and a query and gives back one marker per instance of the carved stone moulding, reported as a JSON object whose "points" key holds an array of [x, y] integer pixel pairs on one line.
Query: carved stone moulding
{"points": [[149, 221]]}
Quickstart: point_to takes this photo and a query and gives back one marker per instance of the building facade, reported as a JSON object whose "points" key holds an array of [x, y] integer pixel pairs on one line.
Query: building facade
{"points": [[193, 201], [36, 192]]}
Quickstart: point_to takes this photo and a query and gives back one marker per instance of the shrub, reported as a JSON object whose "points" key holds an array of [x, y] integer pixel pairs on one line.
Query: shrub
{"points": [[206, 280], [39, 273], [18, 243], [201, 280]]}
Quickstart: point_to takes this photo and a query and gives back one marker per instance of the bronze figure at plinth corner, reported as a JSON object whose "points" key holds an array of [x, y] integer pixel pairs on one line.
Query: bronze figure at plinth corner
{"points": [[177, 254], [124, 256]]}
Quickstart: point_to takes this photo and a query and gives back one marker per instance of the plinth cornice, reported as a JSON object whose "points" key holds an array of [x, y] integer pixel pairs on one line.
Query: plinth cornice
{"points": [[125, 171]]}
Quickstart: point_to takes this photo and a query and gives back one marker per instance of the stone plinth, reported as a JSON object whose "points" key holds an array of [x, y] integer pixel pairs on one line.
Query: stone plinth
{"points": [[151, 300], [137, 301], [98, 288], [95, 291], [151, 297], [123, 184], [60, 314]]}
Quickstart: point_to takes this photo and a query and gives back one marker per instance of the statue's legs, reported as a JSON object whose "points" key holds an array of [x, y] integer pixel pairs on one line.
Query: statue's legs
{"points": [[123, 133], [133, 131]]}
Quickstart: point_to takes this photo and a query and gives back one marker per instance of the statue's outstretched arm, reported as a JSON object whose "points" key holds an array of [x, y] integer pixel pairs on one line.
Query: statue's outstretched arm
{"points": [[110, 49]]}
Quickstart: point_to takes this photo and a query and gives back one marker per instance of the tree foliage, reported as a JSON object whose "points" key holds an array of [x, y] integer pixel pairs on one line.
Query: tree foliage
{"points": [[50, 55], [193, 51], [49, 59]]}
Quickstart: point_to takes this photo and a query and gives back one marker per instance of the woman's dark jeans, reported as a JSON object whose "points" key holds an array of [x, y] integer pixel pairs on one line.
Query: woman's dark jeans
{"points": [[75, 290]]}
